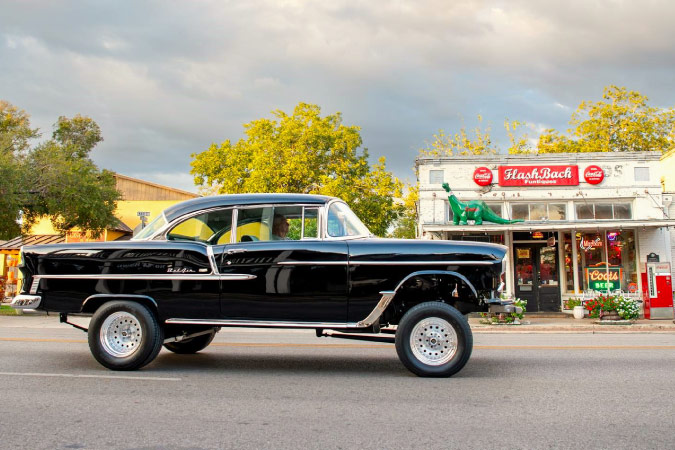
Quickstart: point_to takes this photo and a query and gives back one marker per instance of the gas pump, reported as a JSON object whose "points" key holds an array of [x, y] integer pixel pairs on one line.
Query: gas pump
{"points": [[657, 291]]}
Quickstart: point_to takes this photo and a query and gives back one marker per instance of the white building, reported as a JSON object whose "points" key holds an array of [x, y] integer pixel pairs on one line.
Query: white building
{"points": [[589, 219]]}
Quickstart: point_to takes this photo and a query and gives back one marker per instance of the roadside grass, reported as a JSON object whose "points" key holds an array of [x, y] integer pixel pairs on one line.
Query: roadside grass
{"points": [[5, 310]]}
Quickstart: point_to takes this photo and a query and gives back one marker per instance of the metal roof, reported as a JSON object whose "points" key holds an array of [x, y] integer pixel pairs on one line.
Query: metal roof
{"points": [[197, 204], [36, 239]]}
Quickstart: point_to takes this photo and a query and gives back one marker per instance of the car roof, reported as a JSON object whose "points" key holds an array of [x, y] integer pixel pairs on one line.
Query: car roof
{"points": [[214, 201]]}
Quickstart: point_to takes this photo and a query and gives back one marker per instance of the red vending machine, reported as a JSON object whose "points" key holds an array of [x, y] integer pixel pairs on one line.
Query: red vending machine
{"points": [[657, 291]]}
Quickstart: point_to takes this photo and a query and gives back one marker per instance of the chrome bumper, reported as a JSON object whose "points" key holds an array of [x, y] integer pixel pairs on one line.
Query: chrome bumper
{"points": [[23, 301]]}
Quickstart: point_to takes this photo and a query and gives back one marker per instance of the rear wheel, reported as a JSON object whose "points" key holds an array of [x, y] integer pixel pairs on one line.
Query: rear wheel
{"points": [[433, 339], [191, 345], [124, 335]]}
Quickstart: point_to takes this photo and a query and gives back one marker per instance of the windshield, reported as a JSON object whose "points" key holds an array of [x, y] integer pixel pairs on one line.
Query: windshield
{"points": [[343, 222], [151, 228]]}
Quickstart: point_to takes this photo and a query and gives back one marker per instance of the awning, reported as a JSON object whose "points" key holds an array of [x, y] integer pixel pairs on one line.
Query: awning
{"points": [[551, 225]]}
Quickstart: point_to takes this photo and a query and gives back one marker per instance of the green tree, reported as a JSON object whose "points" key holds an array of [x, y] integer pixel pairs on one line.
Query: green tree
{"points": [[302, 153], [461, 143], [405, 226], [621, 122], [55, 178]]}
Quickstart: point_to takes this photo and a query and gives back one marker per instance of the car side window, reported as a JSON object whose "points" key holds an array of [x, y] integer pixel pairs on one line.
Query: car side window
{"points": [[211, 227], [276, 223]]}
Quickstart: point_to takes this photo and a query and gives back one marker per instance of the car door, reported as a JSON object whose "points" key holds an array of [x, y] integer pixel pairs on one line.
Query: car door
{"points": [[292, 278]]}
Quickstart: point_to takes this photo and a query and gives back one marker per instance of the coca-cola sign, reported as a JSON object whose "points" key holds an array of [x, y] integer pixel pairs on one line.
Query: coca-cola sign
{"points": [[594, 175], [538, 175], [482, 176]]}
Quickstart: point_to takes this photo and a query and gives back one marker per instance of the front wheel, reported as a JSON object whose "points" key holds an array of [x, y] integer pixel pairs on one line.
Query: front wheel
{"points": [[124, 335], [433, 339]]}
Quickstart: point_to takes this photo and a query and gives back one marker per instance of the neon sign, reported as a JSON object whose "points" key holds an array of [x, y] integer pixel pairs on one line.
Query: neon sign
{"points": [[590, 244], [600, 277]]}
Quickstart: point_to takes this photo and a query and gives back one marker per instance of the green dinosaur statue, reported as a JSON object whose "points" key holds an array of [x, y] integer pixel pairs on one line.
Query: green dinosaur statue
{"points": [[476, 210]]}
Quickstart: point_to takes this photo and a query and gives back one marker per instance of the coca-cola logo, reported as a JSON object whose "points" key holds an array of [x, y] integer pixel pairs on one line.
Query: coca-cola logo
{"points": [[594, 174], [538, 175], [482, 176]]}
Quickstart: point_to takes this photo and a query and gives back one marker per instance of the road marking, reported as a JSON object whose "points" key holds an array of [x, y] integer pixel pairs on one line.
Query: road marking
{"points": [[61, 341], [575, 347], [70, 375], [277, 345], [299, 345]]}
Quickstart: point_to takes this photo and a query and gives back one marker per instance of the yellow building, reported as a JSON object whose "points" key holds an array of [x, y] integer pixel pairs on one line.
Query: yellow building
{"points": [[141, 201]]}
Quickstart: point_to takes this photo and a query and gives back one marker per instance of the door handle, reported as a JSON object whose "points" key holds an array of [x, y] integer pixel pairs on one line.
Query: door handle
{"points": [[232, 251]]}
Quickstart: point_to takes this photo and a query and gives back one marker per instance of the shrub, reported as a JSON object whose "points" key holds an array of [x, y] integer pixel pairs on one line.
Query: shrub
{"points": [[627, 308]]}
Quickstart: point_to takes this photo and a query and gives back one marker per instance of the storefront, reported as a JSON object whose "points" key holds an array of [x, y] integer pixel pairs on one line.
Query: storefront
{"points": [[578, 224]]}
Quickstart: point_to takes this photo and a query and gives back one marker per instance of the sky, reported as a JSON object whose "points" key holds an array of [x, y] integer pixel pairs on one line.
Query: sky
{"points": [[166, 79]]}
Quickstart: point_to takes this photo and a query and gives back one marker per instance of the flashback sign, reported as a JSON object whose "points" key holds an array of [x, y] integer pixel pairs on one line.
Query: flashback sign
{"points": [[538, 175]]}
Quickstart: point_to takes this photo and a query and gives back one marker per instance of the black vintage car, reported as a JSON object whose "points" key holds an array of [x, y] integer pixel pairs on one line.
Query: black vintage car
{"points": [[266, 260]]}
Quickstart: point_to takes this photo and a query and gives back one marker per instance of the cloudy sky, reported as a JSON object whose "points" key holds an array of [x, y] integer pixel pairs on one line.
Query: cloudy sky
{"points": [[165, 79]]}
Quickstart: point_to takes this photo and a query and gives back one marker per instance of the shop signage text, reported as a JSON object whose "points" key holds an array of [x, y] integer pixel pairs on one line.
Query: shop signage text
{"points": [[594, 175], [598, 277], [538, 175], [590, 244], [482, 176]]}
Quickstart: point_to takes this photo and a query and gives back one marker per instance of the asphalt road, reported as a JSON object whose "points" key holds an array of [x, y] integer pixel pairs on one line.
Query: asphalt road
{"points": [[288, 389]]}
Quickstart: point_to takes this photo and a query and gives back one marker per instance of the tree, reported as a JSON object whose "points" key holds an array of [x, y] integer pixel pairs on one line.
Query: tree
{"points": [[460, 143], [302, 153], [405, 226], [56, 178], [621, 122]]}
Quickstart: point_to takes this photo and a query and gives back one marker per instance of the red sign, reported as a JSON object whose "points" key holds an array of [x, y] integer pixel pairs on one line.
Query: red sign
{"points": [[482, 176], [538, 175], [594, 175]]}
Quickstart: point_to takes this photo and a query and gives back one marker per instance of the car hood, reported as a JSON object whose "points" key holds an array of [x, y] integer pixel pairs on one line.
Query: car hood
{"points": [[372, 249]]}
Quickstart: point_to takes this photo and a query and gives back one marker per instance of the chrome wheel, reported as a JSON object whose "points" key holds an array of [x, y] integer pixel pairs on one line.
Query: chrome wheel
{"points": [[121, 334], [433, 341]]}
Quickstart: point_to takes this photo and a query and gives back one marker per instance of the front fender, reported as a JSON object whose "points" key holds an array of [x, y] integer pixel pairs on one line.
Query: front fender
{"points": [[450, 273]]}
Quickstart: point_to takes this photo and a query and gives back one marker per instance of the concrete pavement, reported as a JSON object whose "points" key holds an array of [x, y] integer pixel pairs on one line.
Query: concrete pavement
{"points": [[532, 323]]}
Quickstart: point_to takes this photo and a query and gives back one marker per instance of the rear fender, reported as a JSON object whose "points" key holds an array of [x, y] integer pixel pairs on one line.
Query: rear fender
{"points": [[93, 302]]}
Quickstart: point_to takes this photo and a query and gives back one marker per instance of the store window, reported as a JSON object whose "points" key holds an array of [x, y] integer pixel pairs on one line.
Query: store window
{"points": [[605, 261], [539, 211], [436, 177], [479, 237], [641, 174], [603, 211]]}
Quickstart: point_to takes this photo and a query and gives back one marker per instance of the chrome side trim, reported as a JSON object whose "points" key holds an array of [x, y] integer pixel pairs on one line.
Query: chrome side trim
{"points": [[387, 297], [212, 259], [260, 323], [313, 263], [421, 263], [23, 301], [385, 263], [159, 276]]}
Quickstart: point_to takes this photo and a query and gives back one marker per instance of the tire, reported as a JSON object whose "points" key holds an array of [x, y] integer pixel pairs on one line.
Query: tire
{"points": [[191, 345], [434, 339], [124, 335]]}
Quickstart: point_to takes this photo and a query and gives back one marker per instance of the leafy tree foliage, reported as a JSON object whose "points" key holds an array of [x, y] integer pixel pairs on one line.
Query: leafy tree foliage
{"points": [[405, 226], [621, 122], [302, 153], [55, 178]]}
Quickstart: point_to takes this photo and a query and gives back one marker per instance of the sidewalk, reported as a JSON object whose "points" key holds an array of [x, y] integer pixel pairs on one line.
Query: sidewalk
{"points": [[568, 324], [531, 324]]}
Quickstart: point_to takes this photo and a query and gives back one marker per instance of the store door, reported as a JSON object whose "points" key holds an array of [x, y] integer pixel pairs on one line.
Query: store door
{"points": [[536, 272]]}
